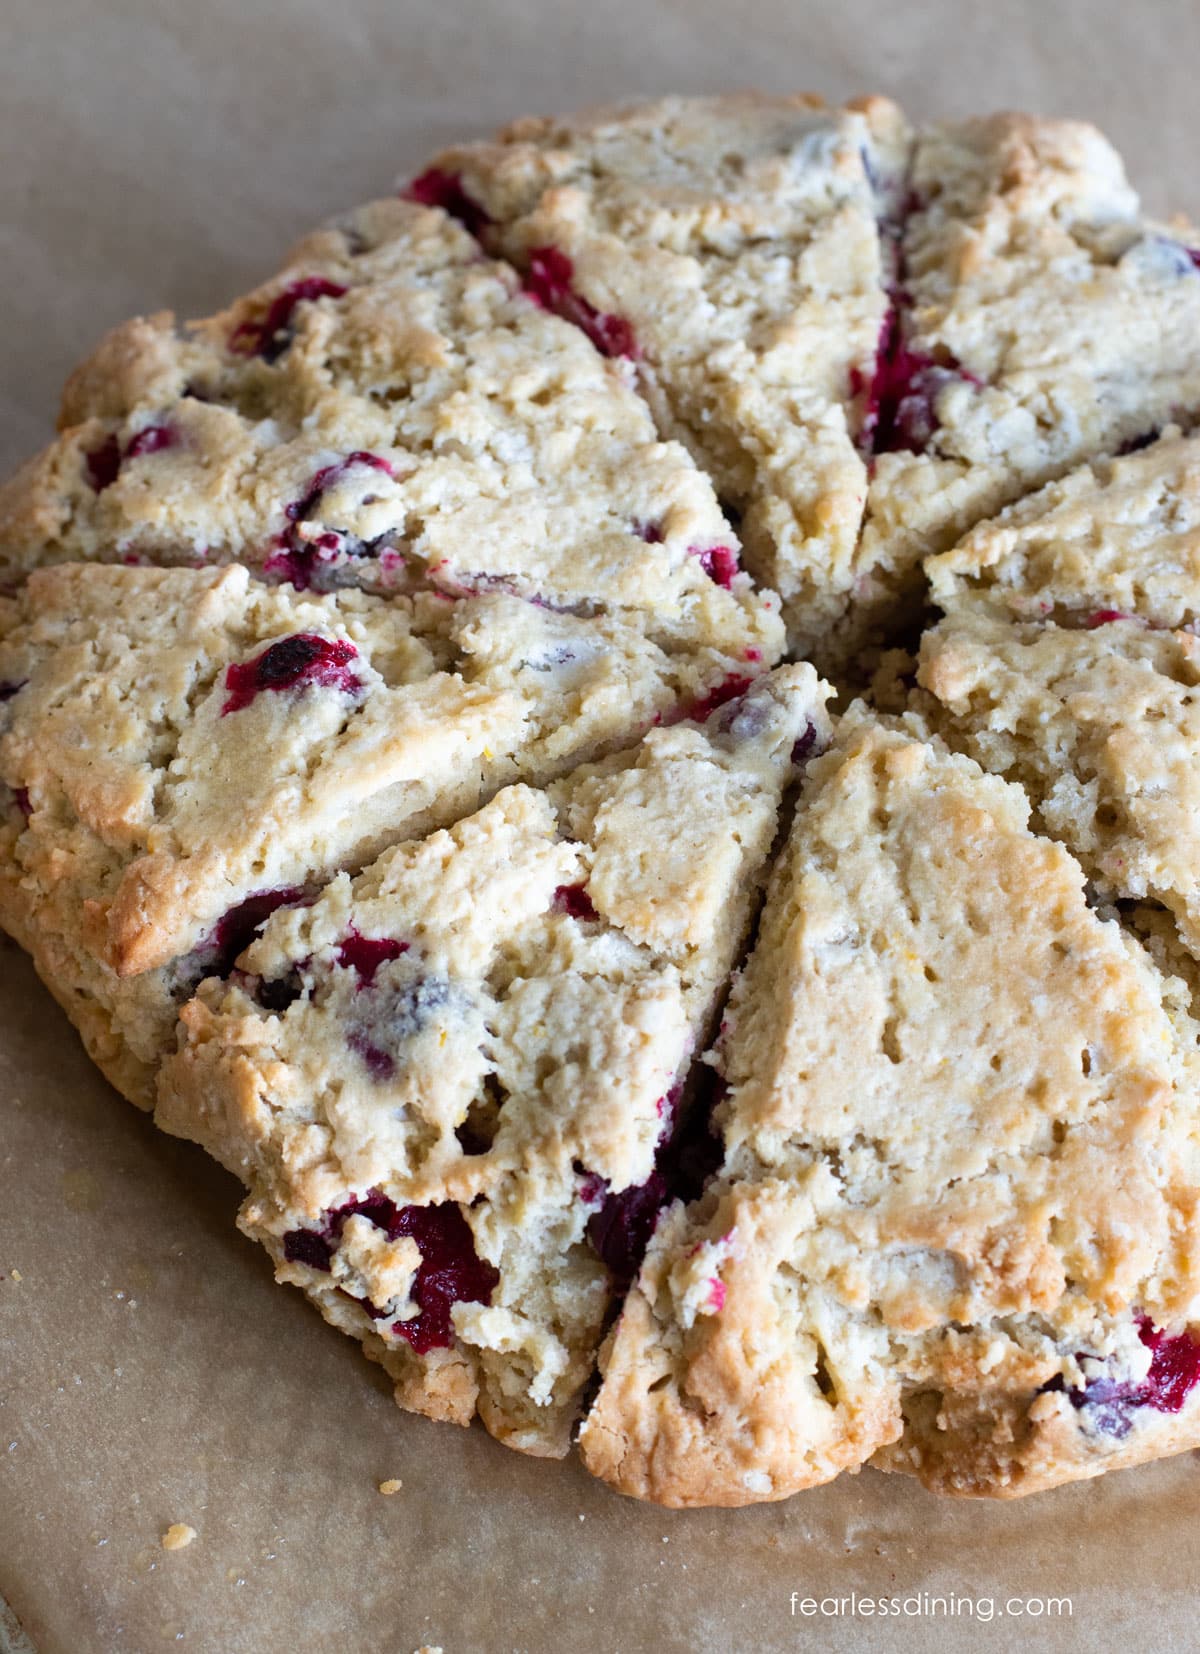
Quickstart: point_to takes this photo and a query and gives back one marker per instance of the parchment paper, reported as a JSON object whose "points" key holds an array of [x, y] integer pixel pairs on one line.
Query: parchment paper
{"points": [[150, 1371]]}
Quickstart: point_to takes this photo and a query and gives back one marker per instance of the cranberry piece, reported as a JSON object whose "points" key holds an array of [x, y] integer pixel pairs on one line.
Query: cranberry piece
{"points": [[719, 563], [1174, 1367], [152, 440], [688, 1153], [389, 1015], [574, 901], [436, 188], [8, 690], [1134, 444], [549, 284], [720, 695], [272, 335], [899, 413], [620, 1231], [309, 1247], [650, 532], [302, 509], [236, 929], [1173, 1375], [297, 558], [375, 1205], [103, 463], [802, 747], [365, 954], [297, 662], [451, 1272], [1105, 617]]}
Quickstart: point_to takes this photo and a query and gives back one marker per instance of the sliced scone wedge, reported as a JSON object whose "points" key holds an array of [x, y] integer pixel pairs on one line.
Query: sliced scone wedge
{"points": [[390, 412], [182, 750], [955, 1231], [1068, 660], [456, 1084], [1039, 320], [729, 251]]}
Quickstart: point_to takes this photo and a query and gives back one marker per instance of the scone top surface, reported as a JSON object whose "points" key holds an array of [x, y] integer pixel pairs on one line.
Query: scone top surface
{"points": [[959, 1158], [495, 1025]]}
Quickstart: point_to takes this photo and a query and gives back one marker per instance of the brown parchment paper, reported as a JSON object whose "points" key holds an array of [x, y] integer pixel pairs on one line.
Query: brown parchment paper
{"points": [[164, 152]]}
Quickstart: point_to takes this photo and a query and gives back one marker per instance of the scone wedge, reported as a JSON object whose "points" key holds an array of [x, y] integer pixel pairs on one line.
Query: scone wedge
{"points": [[457, 1085], [390, 412], [1038, 320], [1068, 661], [955, 1232], [735, 253]]}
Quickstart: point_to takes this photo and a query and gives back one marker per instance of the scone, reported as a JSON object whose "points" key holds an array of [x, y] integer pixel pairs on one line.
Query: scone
{"points": [[955, 1229], [391, 412], [1038, 320], [1068, 661], [456, 1084], [736, 253], [394, 753], [180, 749], [870, 338]]}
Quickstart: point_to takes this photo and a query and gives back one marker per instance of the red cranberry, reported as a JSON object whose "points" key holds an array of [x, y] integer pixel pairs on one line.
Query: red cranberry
{"points": [[729, 689], [574, 901], [803, 746], [650, 532], [719, 563], [436, 188], [620, 1231], [103, 463], [272, 335], [151, 440], [1105, 617], [450, 1272], [1174, 1368], [549, 284], [899, 412], [299, 662], [296, 557], [1173, 1375], [236, 929], [365, 954], [309, 1247]]}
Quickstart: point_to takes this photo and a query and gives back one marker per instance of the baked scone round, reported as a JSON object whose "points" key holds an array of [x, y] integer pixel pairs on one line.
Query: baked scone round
{"points": [[417, 786]]}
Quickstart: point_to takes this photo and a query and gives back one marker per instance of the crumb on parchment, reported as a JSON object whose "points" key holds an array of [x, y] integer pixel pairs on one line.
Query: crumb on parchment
{"points": [[177, 1536], [392, 1485]]}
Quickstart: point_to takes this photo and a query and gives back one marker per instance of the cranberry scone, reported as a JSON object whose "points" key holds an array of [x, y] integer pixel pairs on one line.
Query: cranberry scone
{"points": [[1068, 661], [1038, 320], [456, 1084], [182, 749], [730, 250], [955, 1230], [390, 412]]}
